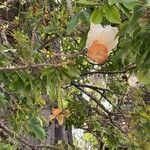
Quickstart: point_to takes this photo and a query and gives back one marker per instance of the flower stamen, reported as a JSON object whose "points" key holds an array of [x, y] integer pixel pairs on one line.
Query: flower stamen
{"points": [[97, 52]]}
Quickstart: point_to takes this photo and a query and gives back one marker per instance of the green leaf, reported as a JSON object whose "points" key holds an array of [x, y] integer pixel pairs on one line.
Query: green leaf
{"points": [[97, 15], [127, 3], [144, 115], [35, 126], [3, 101], [112, 14], [73, 23], [137, 13], [53, 87], [131, 4], [85, 15], [140, 59], [49, 29], [74, 72], [18, 84], [86, 2], [4, 146], [53, 80], [112, 2], [39, 132], [47, 72], [144, 76], [65, 73], [70, 73], [36, 121], [39, 99], [133, 24]]}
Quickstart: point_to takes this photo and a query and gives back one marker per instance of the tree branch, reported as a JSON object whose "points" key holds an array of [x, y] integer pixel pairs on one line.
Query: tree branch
{"points": [[124, 70], [32, 66], [101, 106], [98, 88], [102, 94], [93, 98]]}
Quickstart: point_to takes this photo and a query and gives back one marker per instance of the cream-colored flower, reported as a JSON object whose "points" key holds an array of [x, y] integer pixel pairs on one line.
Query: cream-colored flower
{"points": [[100, 41]]}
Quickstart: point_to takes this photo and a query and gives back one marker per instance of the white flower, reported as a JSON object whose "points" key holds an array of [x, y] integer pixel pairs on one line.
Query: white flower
{"points": [[100, 41], [104, 34]]}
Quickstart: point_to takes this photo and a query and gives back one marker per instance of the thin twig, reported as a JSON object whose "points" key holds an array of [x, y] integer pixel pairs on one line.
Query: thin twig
{"points": [[93, 98], [124, 70], [116, 125], [101, 106], [97, 89], [32, 66]]}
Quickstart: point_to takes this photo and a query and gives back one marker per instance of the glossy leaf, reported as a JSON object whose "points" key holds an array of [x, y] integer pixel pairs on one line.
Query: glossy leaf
{"points": [[112, 14], [97, 15]]}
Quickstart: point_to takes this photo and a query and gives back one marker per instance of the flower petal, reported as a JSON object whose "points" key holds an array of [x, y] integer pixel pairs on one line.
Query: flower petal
{"points": [[104, 34]]}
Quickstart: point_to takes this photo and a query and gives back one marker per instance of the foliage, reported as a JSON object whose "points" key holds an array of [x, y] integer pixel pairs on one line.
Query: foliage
{"points": [[30, 38]]}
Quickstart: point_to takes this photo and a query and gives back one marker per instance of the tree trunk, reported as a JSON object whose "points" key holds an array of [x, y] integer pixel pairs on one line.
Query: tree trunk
{"points": [[56, 131]]}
